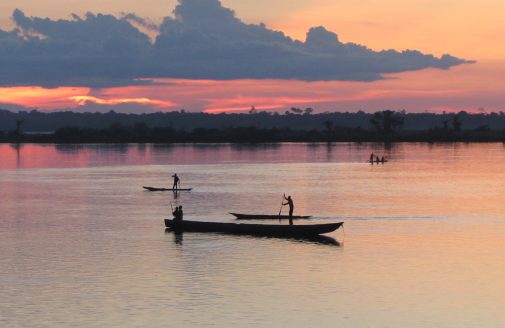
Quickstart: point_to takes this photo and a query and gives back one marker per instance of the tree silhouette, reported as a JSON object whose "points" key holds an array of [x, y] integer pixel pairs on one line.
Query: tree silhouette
{"points": [[456, 122], [387, 121], [296, 110], [19, 123]]}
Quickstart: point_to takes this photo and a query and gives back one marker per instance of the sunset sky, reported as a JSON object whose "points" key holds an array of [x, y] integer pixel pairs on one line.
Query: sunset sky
{"points": [[203, 59]]}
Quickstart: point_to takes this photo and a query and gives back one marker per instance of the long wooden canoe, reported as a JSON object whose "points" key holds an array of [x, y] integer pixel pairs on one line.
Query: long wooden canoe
{"points": [[241, 216], [303, 230], [165, 189]]}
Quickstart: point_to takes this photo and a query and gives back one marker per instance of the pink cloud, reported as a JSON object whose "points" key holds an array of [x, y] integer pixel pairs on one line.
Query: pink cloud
{"points": [[85, 100]]}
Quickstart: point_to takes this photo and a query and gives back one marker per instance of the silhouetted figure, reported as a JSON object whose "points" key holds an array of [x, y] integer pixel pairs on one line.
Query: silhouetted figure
{"points": [[175, 213], [383, 159], [177, 181], [371, 157], [178, 214], [377, 159], [289, 202], [181, 214]]}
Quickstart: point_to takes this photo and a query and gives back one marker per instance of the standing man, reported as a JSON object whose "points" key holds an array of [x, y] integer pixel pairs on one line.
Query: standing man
{"points": [[289, 202], [177, 181]]}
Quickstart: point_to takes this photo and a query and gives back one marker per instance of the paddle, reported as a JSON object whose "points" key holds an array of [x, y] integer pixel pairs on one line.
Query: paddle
{"points": [[172, 208], [282, 205]]}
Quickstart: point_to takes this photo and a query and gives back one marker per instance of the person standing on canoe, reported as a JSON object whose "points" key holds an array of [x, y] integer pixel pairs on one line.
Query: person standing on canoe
{"points": [[177, 181], [289, 202]]}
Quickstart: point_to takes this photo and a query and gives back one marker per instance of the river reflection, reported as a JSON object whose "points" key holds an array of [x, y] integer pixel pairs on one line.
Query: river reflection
{"points": [[84, 155], [321, 239], [82, 245]]}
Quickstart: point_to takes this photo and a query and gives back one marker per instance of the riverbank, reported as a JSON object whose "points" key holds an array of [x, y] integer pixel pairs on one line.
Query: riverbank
{"points": [[140, 133]]}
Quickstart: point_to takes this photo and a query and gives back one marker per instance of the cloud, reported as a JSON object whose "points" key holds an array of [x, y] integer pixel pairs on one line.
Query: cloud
{"points": [[85, 100], [202, 40]]}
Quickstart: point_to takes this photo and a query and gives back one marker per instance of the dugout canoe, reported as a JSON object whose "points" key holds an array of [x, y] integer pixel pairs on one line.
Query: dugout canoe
{"points": [[284, 230], [165, 189], [241, 216]]}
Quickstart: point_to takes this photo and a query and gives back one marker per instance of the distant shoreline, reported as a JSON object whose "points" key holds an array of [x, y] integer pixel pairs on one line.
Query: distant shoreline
{"points": [[121, 134], [295, 125]]}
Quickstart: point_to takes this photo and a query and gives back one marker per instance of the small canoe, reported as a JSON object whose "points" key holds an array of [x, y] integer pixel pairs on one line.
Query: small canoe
{"points": [[379, 162], [285, 230], [166, 189], [240, 216]]}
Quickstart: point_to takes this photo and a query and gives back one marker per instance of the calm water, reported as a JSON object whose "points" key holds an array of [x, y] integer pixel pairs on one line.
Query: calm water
{"points": [[81, 245]]}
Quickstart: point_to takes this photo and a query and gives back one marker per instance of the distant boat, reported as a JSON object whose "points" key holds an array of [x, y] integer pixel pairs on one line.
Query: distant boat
{"points": [[240, 216], [284, 230], [166, 189], [378, 162]]}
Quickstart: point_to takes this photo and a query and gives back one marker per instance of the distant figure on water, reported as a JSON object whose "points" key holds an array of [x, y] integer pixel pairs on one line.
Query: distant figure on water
{"points": [[289, 202], [371, 157], [177, 181], [377, 159], [383, 159], [178, 214]]}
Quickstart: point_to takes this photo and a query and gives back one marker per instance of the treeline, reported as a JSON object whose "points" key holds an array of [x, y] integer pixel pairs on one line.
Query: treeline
{"points": [[141, 133], [388, 126], [294, 119]]}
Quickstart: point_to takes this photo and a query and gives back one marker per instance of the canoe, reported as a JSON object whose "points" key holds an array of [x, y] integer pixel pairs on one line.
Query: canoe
{"points": [[166, 189], [379, 162], [304, 230], [240, 216]]}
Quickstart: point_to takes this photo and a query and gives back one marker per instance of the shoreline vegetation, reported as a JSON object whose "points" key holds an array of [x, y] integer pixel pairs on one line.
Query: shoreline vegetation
{"points": [[255, 127]]}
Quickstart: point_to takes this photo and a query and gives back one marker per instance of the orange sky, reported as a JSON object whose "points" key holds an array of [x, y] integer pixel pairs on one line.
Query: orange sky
{"points": [[467, 87], [467, 29]]}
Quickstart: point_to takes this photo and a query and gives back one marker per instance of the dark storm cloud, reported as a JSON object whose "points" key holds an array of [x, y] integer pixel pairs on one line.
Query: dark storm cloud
{"points": [[202, 40]]}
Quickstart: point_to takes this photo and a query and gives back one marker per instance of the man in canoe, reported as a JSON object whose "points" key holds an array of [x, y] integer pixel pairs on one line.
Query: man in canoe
{"points": [[178, 214], [289, 202], [177, 181]]}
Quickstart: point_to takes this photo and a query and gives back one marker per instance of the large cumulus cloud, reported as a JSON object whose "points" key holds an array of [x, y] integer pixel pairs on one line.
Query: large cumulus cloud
{"points": [[202, 40]]}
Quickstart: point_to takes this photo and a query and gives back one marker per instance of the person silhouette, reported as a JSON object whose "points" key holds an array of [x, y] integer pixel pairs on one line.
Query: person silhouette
{"points": [[177, 181], [289, 202], [181, 213], [178, 214], [175, 213]]}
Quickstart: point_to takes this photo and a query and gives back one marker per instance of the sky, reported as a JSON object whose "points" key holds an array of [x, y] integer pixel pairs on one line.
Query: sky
{"points": [[206, 55]]}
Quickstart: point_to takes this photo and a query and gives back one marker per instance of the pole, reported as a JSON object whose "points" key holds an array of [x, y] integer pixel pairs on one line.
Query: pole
{"points": [[282, 205]]}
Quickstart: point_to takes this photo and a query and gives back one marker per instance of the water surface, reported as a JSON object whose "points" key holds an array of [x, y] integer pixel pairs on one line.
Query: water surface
{"points": [[83, 245]]}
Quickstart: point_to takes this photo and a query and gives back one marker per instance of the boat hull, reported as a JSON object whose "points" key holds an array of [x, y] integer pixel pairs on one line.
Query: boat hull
{"points": [[254, 229], [165, 189], [241, 216]]}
